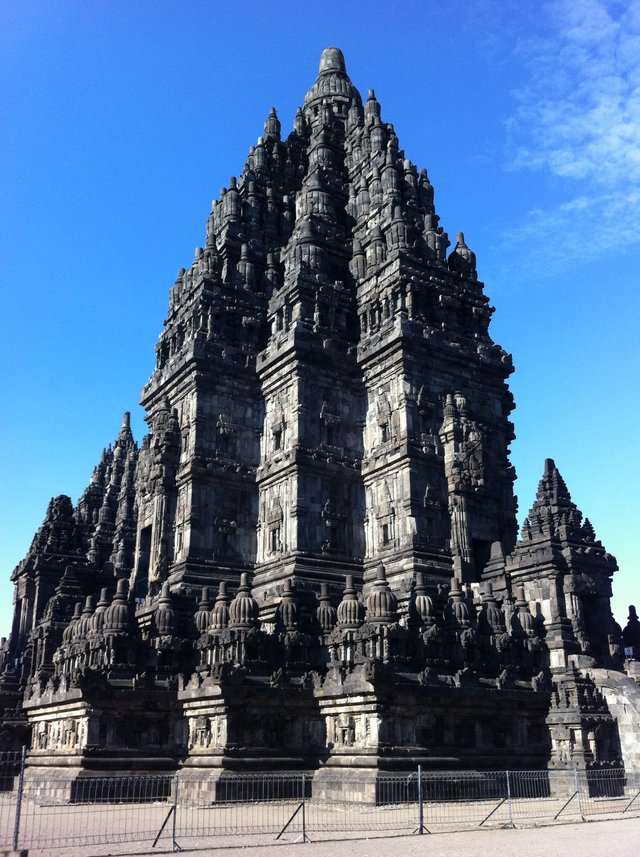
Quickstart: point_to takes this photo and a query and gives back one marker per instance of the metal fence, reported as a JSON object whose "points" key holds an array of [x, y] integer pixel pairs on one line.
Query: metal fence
{"points": [[42, 809]]}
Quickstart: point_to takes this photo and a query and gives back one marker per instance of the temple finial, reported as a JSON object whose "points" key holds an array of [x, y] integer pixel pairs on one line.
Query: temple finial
{"points": [[332, 59], [272, 125]]}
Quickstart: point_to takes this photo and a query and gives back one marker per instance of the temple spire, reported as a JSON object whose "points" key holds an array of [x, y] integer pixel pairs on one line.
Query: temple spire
{"points": [[125, 436], [332, 86]]}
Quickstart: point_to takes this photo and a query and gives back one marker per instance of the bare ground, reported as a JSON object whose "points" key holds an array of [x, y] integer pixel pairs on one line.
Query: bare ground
{"points": [[619, 837]]}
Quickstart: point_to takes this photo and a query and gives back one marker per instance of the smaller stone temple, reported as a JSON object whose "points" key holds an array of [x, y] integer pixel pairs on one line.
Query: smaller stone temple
{"points": [[312, 563]]}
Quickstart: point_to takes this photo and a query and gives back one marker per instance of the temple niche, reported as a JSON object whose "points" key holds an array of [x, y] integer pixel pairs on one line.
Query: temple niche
{"points": [[312, 562]]}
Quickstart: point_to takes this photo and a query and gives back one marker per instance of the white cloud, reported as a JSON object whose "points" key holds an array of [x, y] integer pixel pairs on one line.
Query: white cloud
{"points": [[578, 118]]}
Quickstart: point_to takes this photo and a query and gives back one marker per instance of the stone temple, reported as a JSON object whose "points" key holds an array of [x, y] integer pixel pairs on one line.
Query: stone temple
{"points": [[312, 562]]}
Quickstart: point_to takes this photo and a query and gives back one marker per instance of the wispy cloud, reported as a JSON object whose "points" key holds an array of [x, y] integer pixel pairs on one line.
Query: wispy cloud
{"points": [[578, 118]]}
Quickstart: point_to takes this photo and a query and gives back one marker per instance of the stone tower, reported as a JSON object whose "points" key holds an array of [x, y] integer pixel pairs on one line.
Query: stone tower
{"points": [[312, 562], [327, 395]]}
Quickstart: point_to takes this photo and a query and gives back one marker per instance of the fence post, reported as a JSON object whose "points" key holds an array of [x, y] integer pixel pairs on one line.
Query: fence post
{"points": [[420, 802], [511, 824], [174, 844], [304, 811], [578, 792], [16, 826]]}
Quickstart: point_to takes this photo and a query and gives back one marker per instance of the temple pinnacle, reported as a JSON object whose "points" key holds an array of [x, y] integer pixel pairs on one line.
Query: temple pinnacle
{"points": [[332, 59], [331, 86]]}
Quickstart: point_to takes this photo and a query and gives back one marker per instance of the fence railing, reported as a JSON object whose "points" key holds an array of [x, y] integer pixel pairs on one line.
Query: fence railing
{"points": [[42, 809]]}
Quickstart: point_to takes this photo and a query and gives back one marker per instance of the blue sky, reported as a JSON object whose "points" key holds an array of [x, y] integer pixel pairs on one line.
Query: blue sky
{"points": [[121, 120]]}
